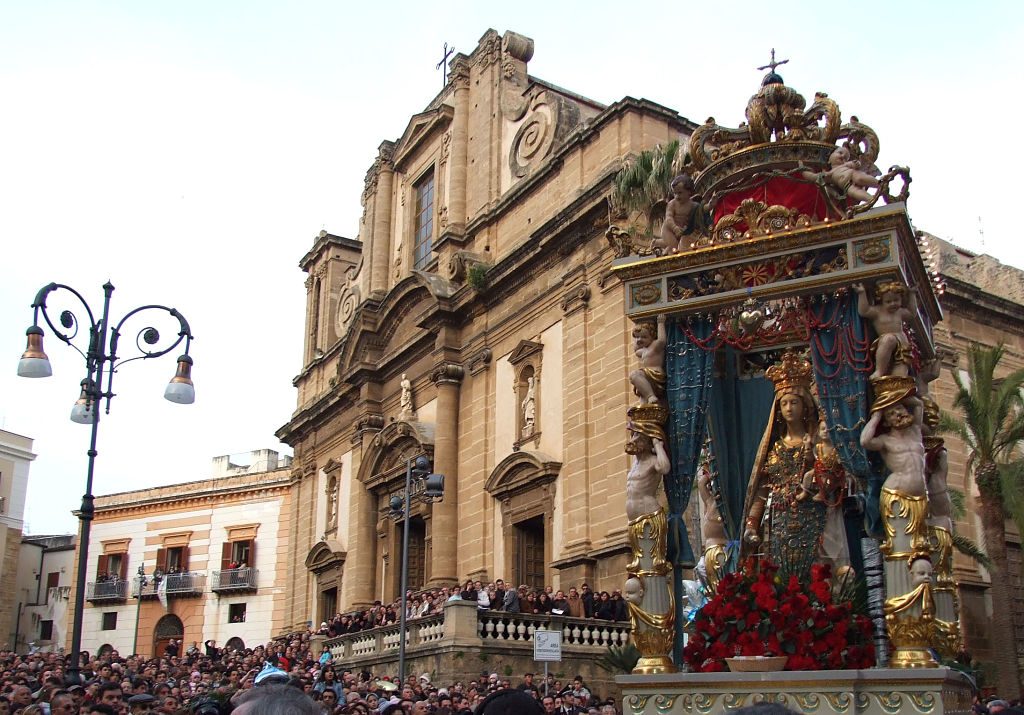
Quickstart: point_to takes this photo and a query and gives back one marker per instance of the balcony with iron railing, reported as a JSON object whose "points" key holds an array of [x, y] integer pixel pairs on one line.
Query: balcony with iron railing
{"points": [[455, 644], [234, 580], [110, 591], [183, 584]]}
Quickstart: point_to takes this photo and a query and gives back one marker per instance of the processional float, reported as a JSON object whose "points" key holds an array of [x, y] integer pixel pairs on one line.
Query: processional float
{"points": [[783, 318]]}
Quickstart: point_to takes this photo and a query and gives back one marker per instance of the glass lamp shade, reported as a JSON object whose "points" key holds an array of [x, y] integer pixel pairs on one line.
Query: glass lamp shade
{"points": [[82, 413], [34, 362], [180, 389]]}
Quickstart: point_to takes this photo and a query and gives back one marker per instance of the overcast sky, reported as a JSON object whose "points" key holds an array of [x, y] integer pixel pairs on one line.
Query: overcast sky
{"points": [[190, 151]]}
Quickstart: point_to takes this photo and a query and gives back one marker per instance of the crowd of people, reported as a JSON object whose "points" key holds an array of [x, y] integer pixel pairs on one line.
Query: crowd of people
{"points": [[208, 680], [494, 596]]}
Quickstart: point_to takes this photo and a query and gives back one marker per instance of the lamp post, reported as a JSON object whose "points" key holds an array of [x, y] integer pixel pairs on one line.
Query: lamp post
{"points": [[430, 488], [101, 361], [142, 582]]}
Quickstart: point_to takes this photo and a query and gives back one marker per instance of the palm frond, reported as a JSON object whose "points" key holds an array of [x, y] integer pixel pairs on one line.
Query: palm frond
{"points": [[644, 178], [958, 502], [1011, 485], [619, 659], [969, 548]]}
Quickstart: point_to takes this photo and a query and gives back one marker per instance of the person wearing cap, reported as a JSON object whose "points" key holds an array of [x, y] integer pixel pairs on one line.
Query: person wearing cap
{"points": [[997, 705], [140, 703]]}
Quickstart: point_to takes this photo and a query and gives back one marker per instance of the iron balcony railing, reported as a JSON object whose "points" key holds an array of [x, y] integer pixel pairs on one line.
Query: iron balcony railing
{"points": [[100, 591], [234, 580], [181, 584]]}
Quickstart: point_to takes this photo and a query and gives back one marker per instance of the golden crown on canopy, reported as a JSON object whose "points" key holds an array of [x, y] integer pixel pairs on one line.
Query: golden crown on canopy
{"points": [[781, 133], [794, 371], [890, 287]]}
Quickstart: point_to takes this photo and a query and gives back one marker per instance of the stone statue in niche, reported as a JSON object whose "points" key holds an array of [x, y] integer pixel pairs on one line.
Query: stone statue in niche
{"points": [[529, 406], [892, 347], [332, 503], [406, 410], [649, 346]]}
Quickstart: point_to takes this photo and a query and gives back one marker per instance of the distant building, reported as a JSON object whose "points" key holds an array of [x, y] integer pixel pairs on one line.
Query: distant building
{"points": [[45, 567], [15, 455], [198, 561]]}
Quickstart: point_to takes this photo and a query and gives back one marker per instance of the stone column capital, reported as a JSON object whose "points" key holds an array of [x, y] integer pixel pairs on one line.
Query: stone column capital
{"points": [[447, 373]]}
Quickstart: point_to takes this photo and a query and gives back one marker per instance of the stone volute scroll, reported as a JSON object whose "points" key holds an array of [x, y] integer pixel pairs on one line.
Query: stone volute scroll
{"points": [[647, 590], [516, 51]]}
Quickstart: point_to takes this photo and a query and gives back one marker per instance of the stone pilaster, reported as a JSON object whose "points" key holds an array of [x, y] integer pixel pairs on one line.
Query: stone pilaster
{"points": [[361, 565], [460, 150], [381, 250], [444, 552]]}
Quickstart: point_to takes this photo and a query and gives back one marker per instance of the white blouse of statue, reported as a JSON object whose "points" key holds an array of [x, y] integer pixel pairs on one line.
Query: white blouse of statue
{"points": [[775, 508]]}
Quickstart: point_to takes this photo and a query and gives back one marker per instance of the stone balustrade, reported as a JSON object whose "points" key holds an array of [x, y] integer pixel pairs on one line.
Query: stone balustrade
{"points": [[460, 642]]}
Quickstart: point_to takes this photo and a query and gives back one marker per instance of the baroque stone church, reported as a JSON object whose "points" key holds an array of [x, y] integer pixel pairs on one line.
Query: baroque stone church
{"points": [[475, 319]]}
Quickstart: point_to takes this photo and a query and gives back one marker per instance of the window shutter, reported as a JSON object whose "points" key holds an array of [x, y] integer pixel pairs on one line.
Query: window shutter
{"points": [[124, 566], [184, 558], [225, 556], [101, 565], [251, 563], [161, 559]]}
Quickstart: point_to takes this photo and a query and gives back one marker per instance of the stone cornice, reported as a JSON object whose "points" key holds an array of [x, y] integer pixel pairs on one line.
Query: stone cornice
{"points": [[180, 497], [966, 298], [323, 241]]}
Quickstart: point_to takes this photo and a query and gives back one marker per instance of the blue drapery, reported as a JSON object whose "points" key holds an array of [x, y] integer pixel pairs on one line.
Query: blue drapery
{"points": [[840, 352], [688, 369], [739, 412]]}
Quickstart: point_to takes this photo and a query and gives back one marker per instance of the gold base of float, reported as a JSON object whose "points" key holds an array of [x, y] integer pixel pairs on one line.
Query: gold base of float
{"points": [[877, 691]]}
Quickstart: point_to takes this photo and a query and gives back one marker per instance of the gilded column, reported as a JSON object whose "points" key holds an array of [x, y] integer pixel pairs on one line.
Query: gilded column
{"points": [[444, 553], [459, 77]]}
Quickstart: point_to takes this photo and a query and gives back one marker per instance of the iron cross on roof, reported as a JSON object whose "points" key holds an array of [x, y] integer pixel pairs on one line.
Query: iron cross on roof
{"points": [[771, 65], [443, 64]]}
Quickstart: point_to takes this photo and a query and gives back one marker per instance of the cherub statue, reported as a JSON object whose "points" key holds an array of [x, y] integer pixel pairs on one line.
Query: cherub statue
{"points": [[892, 347], [847, 175], [649, 379], [682, 217]]}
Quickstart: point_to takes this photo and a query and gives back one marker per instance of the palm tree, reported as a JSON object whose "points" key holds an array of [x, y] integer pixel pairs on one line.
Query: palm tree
{"points": [[642, 185], [991, 428]]}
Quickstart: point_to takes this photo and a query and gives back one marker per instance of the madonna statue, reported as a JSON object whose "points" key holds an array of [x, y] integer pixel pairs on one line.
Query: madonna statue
{"points": [[777, 510]]}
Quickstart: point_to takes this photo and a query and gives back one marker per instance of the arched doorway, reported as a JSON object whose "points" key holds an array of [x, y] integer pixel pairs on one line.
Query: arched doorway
{"points": [[168, 627], [236, 643], [105, 650]]}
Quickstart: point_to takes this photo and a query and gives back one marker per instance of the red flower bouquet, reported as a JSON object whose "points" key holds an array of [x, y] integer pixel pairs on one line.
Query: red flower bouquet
{"points": [[756, 611]]}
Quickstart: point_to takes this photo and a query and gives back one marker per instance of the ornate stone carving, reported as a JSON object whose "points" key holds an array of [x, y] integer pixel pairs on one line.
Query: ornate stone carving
{"points": [[579, 294], [517, 50], [461, 261], [549, 121], [489, 49], [347, 304], [447, 373], [480, 360], [458, 72]]}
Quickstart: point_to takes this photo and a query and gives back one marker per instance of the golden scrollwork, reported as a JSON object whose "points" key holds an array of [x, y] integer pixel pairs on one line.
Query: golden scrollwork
{"points": [[759, 219], [715, 558], [652, 529], [914, 509]]}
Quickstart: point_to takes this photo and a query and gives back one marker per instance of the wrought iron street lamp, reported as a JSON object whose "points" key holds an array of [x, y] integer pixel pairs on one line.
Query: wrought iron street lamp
{"points": [[101, 362], [141, 583], [429, 488]]}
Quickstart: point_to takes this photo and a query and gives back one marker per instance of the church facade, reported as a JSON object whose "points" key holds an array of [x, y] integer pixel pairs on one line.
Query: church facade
{"points": [[475, 319]]}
